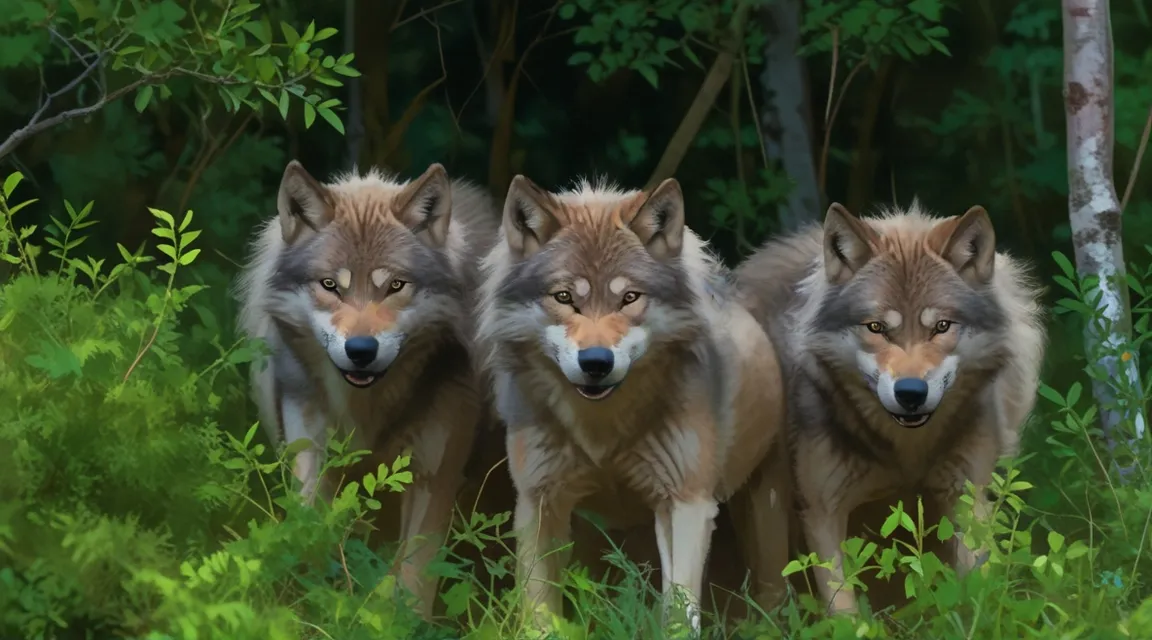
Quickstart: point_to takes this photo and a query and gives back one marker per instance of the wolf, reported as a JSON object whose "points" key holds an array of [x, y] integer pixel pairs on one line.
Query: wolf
{"points": [[363, 290], [912, 352], [625, 372]]}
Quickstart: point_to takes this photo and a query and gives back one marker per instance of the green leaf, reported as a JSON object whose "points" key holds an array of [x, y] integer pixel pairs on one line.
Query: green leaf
{"points": [[291, 36], [370, 484], [1055, 541], [143, 97], [284, 104], [792, 567], [187, 221], [162, 215], [251, 432], [567, 12], [11, 182], [309, 115], [1064, 264], [649, 74], [945, 531], [187, 258], [345, 70], [331, 118], [1052, 395], [930, 9], [167, 250], [324, 34]]}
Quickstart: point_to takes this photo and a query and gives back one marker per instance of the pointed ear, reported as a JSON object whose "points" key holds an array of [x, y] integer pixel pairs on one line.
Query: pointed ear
{"points": [[529, 218], [849, 243], [303, 203], [968, 243], [425, 204], [659, 223]]}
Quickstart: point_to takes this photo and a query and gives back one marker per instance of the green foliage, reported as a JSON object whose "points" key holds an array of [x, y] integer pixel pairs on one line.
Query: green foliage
{"points": [[872, 29], [629, 33]]}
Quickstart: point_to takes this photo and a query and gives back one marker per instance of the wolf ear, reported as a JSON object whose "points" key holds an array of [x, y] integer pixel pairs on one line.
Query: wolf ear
{"points": [[968, 243], [303, 203], [425, 204], [660, 221], [529, 221], [849, 243]]}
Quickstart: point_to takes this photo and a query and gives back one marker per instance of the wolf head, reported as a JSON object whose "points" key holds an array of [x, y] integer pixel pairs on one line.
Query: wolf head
{"points": [[910, 304], [594, 279], [361, 267]]}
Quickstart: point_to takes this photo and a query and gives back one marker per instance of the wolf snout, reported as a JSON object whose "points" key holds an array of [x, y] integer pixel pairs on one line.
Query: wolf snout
{"points": [[596, 362], [361, 350], [911, 393]]}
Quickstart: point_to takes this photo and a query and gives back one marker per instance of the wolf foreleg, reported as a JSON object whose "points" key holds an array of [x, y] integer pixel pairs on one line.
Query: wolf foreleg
{"points": [[302, 419], [826, 530], [426, 512], [543, 528], [684, 535], [763, 526]]}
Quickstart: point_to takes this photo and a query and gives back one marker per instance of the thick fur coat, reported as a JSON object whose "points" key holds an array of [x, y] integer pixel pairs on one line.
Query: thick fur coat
{"points": [[912, 352], [364, 290], [624, 368]]}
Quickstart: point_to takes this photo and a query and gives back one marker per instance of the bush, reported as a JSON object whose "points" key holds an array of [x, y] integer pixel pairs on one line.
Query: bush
{"points": [[138, 500]]}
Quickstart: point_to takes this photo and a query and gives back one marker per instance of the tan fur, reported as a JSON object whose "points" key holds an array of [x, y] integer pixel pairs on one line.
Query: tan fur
{"points": [[847, 450], [695, 416], [369, 249]]}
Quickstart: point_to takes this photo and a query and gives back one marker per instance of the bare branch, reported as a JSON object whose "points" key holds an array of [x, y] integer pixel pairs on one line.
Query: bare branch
{"points": [[424, 12], [1136, 164]]}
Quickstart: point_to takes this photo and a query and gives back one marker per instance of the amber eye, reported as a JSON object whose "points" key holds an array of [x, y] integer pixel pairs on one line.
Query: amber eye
{"points": [[328, 283], [875, 327], [397, 285], [943, 326], [563, 297], [631, 297]]}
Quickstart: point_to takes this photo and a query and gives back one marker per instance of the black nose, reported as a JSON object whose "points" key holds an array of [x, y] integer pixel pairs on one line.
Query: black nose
{"points": [[595, 361], [361, 350], [910, 392]]}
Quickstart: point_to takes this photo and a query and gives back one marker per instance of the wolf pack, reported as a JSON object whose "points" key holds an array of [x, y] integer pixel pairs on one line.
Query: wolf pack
{"points": [[609, 354]]}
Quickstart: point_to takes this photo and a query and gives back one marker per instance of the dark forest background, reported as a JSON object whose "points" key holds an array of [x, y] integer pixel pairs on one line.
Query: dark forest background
{"points": [[765, 110]]}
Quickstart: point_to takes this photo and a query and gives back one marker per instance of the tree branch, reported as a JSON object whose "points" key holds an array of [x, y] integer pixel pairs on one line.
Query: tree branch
{"points": [[717, 77]]}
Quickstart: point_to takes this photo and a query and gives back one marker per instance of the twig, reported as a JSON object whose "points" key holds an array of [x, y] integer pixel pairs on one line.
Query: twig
{"points": [[755, 112], [1136, 163], [832, 119], [832, 77], [423, 13], [214, 153], [34, 127], [717, 77], [397, 130]]}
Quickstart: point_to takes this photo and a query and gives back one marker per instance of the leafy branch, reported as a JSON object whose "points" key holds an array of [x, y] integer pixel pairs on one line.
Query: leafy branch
{"points": [[239, 57]]}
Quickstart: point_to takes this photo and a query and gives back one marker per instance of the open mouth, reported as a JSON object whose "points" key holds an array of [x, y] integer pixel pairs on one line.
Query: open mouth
{"points": [[359, 379], [912, 421], [595, 392]]}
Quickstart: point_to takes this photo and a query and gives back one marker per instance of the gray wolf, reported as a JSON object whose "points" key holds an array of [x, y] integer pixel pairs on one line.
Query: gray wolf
{"points": [[628, 378], [912, 352], [362, 289]]}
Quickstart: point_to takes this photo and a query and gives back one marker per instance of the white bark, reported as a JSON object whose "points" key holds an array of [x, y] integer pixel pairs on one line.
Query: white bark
{"points": [[1094, 209], [785, 118]]}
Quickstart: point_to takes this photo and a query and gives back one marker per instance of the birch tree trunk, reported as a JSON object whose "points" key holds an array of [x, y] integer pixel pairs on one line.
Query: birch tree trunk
{"points": [[1094, 212], [785, 115]]}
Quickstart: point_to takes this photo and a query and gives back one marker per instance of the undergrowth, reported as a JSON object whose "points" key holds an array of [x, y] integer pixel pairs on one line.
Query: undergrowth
{"points": [[138, 502]]}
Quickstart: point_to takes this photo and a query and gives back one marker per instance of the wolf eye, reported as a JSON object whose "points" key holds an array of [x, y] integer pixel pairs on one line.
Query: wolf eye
{"points": [[875, 327], [563, 297], [942, 327], [397, 285], [631, 297], [328, 283]]}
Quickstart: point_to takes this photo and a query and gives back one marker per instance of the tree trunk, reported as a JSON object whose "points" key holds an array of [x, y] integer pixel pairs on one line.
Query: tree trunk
{"points": [[786, 113], [1094, 212]]}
